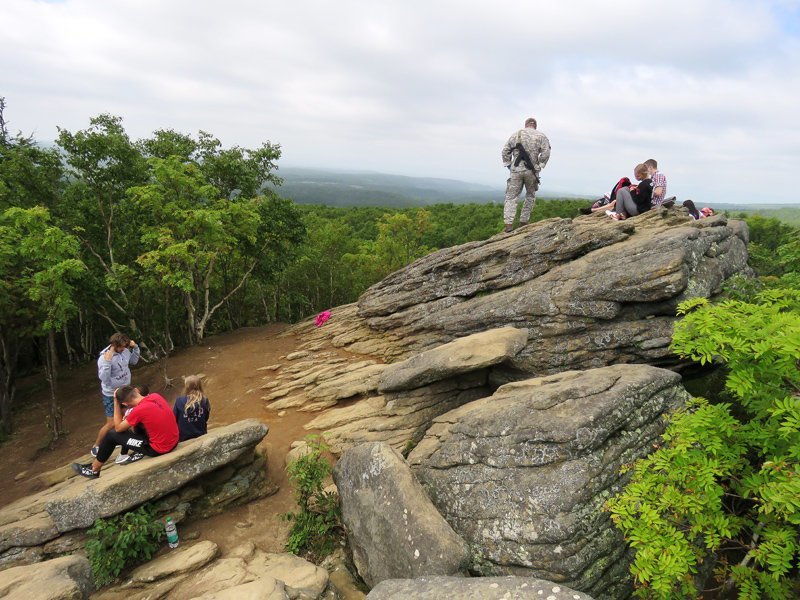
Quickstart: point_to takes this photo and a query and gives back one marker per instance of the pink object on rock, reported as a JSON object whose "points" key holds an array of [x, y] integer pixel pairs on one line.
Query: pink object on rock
{"points": [[319, 321]]}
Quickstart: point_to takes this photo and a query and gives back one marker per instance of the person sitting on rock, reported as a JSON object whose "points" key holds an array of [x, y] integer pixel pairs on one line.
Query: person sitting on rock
{"points": [[150, 412], [634, 200], [192, 410], [123, 457]]}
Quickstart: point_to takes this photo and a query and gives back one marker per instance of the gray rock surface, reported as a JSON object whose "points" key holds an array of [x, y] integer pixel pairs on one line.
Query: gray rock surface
{"points": [[470, 353], [65, 578], [476, 588], [393, 529], [186, 558], [590, 291], [522, 475]]}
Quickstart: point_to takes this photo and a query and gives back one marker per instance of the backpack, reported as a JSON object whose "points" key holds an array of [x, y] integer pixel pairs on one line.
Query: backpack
{"points": [[624, 182]]}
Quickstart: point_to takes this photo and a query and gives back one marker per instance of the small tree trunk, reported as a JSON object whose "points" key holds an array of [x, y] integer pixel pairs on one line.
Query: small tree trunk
{"points": [[55, 418], [8, 368]]}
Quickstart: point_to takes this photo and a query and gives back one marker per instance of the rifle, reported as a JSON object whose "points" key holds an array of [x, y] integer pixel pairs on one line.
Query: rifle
{"points": [[523, 156]]}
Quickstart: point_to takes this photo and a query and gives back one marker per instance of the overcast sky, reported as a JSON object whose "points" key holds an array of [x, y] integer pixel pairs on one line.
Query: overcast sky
{"points": [[710, 88]]}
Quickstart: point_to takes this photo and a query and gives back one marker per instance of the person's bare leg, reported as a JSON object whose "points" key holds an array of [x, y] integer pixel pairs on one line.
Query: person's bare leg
{"points": [[104, 430]]}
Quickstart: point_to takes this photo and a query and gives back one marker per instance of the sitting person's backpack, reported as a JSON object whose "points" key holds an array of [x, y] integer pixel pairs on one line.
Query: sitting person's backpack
{"points": [[624, 182]]}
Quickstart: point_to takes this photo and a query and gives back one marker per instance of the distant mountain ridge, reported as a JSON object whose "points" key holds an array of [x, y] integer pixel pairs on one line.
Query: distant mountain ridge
{"points": [[370, 188]]}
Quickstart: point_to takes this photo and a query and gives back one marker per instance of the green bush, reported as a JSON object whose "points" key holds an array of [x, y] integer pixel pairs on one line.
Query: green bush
{"points": [[122, 541], [316, 526], [724, 487]]}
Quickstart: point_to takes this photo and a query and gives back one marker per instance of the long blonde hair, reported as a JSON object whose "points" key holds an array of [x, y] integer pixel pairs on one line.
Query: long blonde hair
{"points": [[193, 390]]}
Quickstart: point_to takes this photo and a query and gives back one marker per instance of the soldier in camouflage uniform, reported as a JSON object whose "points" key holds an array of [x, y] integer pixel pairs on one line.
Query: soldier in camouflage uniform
{"points": [[525, 154]]}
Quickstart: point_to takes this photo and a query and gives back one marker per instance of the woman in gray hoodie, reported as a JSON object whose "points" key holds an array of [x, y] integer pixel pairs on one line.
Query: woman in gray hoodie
{"points": [[113, 371]]}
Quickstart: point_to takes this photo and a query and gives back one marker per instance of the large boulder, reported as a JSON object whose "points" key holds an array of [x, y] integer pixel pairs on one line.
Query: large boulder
{"points": [[590, 291], [393, 529], [478, 588], [65, 578], [522, 475]]}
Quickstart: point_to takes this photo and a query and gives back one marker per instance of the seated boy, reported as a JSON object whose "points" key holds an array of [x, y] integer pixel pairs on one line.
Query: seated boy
{"points": [[150, 412]]}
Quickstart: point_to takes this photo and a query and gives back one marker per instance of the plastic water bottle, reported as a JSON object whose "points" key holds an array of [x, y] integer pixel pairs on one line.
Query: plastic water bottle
{"points": [[172, 533]]}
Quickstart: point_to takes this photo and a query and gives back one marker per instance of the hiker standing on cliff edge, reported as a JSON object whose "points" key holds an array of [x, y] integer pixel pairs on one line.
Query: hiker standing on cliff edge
{"points": [[525, 155]]}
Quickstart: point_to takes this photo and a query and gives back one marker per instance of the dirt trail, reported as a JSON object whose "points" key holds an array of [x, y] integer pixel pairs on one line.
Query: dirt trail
{"points": [[230, 362]]}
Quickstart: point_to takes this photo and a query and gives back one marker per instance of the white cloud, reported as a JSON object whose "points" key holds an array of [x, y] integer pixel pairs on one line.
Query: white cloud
{"points": [[433, 87]]}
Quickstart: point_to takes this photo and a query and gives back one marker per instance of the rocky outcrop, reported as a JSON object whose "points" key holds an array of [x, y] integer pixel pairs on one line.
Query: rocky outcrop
{"points": [[522, 475], [484, 588], [393, 529], [590, 291], [196, 571], [65, 578], [201, 476]]}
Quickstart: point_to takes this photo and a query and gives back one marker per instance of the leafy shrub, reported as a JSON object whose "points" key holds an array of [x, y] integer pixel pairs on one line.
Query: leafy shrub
{"points": [[122, 541], [725, 484], [316, 526]]}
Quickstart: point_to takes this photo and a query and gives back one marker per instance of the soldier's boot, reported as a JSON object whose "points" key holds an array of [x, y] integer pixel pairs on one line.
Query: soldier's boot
{"points": [[508, 228]]}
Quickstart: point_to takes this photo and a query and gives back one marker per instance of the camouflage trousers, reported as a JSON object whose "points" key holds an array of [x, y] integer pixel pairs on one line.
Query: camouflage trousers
{"points": [[513, 187]]}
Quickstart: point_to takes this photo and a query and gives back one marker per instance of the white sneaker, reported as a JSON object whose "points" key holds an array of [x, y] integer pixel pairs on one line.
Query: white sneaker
{"points": [[129, 458]]}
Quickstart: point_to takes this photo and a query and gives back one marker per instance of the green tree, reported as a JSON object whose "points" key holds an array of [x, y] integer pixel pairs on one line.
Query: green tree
{"points": [[726, 482], [191, 228], [103, 163], [400, 237], [39, 268]]}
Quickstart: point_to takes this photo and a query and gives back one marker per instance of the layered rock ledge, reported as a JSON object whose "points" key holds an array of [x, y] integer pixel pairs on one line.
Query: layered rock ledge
{"points": [[201, 477]]}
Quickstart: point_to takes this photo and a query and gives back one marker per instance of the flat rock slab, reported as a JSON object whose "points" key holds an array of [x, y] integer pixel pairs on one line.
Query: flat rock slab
{"points": [[176, 562], [65, 578], [463, 355], [261, 589], [393, 529], [476, 588], [78, 502]]}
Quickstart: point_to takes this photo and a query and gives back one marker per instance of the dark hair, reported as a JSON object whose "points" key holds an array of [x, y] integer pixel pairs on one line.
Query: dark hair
{"points": [[530, 121], [119, 339], [651, 162], [124, 393], [143, 388]]}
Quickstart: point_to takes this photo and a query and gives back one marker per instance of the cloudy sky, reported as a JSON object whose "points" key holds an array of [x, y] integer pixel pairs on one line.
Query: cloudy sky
{"points": [[710, 88]]}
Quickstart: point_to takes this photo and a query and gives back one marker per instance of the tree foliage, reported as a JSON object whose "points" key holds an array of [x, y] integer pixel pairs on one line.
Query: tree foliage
{"points": [[725, 485]]}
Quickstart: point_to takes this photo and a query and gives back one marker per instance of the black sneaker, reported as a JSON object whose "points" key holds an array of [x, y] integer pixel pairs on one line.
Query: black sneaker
{"points": [[129, 458], [85, 470], [94, 451]]}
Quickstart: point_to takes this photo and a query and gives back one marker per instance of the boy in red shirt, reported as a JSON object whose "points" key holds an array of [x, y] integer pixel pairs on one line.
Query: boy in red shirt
{"points": [[152, 413]]}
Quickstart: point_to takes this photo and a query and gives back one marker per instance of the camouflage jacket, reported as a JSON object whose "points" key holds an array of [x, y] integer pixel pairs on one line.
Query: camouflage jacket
{"points": [[535, 143]]}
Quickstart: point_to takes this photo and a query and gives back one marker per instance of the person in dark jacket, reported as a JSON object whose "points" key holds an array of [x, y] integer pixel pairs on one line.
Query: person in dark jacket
{"points": [[192, 410]]}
